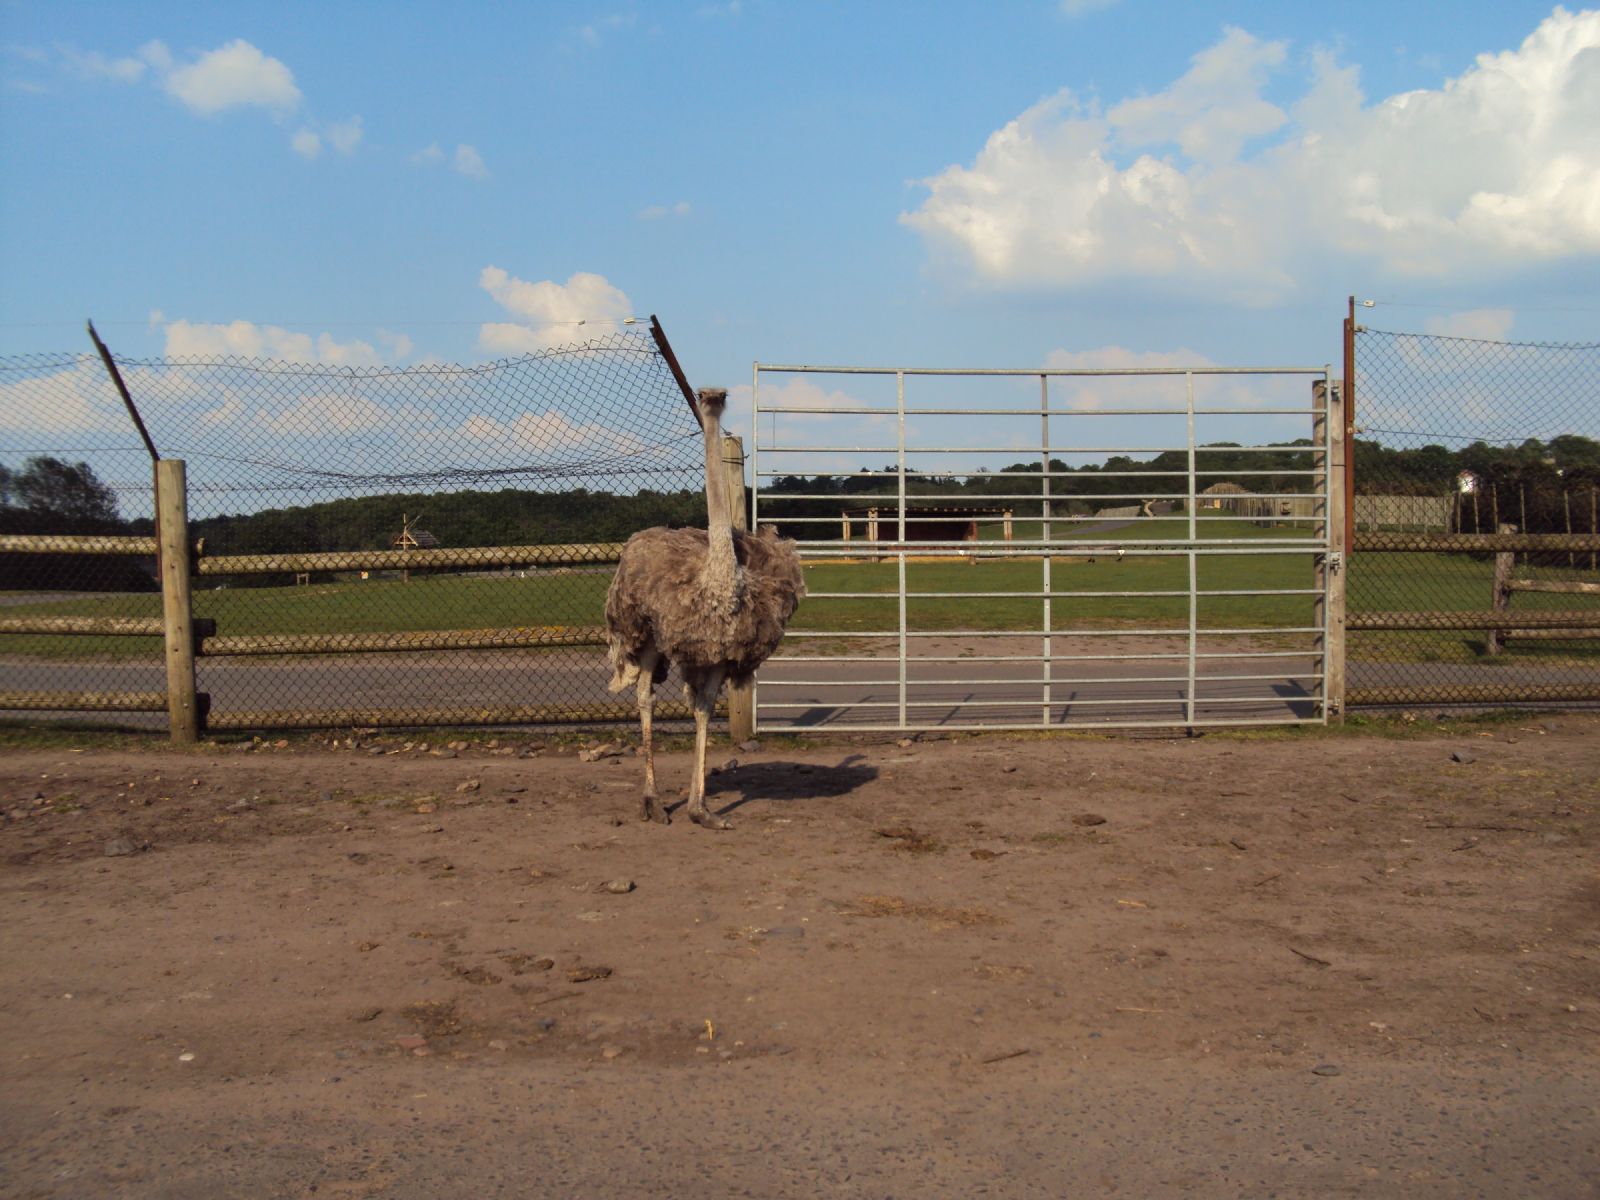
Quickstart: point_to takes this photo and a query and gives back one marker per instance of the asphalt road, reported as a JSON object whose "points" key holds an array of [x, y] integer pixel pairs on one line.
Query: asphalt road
{"points": [[795, 695]]}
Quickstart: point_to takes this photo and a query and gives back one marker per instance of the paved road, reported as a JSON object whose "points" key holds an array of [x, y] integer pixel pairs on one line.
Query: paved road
{"points": [[800, 695]]}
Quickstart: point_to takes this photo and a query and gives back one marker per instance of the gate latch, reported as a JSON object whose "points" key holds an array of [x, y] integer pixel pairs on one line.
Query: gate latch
{"points": [[1335, 561]]}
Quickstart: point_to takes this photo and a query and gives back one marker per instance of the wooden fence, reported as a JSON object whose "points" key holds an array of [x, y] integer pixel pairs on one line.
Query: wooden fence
{"points": [[1498, 621], [185, 639]]}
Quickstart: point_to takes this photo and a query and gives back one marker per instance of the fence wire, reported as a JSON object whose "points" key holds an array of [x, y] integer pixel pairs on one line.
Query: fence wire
{"points": [[577, 447], [1462, 436]]}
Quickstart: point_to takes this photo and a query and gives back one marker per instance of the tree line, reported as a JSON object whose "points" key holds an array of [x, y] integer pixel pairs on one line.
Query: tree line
{"points": [[1544, 485]]}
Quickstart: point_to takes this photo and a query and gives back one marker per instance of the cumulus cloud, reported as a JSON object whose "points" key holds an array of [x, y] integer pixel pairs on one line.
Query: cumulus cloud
{"points": [[233, 75], [553, 314], [306, 143], [92, 64], [244, 339], [1486, 324], [1078, 8], [344, 136], [1496, 168], [656, 212], [469, 162], [429, 156]]}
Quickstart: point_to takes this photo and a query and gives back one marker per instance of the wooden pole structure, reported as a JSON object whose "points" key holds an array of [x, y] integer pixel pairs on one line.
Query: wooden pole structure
{"points": [[172, 523], [741, 697], [1504, 565]]}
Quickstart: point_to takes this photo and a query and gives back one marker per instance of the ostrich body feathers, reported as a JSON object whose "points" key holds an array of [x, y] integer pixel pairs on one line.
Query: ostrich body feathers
{"points": [[664, 597]]}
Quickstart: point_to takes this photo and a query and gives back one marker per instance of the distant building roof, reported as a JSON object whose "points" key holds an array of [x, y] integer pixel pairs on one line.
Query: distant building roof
{"points": [[1225, 488], [413, 539]]}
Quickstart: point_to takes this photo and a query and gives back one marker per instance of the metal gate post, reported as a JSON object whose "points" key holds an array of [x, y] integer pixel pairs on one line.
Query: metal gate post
{"points": [[1045, 530], [900, 485], [1338, 557], [172, 533]]}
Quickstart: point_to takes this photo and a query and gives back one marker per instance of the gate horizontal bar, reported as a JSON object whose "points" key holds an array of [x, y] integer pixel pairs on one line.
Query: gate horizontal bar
{"points": [[1017, 475], [765, 449], [1035, 372], [924, 411]]}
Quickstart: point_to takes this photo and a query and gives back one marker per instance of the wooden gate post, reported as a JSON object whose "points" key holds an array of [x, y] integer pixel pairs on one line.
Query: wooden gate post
{"points": [[172, 533], [1333, 568], [741, 697], [1505, 563]]}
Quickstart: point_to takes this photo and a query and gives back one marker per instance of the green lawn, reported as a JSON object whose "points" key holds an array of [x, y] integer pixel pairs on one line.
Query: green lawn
{"points": [[1401, 582]]}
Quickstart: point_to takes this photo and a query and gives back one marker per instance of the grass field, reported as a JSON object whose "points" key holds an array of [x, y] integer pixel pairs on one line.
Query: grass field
{"points": [[1400, 582]]}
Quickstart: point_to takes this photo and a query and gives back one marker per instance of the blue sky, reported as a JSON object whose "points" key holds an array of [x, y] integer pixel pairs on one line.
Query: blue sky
{"points": [[1004, 184]]}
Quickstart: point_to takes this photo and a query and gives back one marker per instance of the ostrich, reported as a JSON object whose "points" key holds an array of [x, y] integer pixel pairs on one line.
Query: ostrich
{"points": [[714, 601]]}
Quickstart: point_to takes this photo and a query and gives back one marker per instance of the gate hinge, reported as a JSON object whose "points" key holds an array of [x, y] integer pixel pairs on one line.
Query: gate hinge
{"points": [[1335, 559], [1335, 706]]}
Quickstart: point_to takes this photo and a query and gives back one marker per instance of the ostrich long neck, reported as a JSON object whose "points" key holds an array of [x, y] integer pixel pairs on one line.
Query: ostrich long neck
{"points": [[720, 575]]}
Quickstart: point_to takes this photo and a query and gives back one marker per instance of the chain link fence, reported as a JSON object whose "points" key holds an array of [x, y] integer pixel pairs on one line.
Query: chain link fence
{"points": [[1461, 443], [469, 515]]}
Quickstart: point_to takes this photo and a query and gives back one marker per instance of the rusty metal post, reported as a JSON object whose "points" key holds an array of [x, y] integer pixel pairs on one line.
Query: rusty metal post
{"points": [[1348, 429], [660, 336], [172, 508], [741, 697], [1340, 507]]}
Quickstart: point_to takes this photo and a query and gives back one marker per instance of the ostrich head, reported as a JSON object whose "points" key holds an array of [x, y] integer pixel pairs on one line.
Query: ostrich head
{"points": [[712, 402]]}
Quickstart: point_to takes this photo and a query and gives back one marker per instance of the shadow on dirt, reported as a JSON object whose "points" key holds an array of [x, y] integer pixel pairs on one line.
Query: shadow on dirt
{"points": [[790, 781]]}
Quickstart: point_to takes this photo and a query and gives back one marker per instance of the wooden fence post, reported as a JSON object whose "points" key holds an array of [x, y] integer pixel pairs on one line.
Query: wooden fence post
{"points": [[1505, 565], [741, 697], [172, 533], [1334, 569]]}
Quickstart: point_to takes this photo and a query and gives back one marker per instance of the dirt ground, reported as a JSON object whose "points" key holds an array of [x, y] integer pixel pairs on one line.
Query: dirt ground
{"points": [[1287, 964]]}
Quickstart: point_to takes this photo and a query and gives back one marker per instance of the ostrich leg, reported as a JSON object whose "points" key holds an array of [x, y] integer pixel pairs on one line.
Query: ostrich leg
{"points": [[650, 808], [705, 703]]}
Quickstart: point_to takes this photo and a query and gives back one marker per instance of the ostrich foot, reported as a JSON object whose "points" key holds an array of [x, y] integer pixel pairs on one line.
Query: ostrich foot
{"points": [[651, 809], [709, 820]]}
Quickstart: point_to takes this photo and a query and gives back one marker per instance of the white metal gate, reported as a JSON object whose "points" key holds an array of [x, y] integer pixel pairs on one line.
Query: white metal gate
{"points": [[977, 558]]}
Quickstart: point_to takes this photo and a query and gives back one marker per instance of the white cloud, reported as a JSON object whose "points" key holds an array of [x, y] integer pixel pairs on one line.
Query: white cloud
{"points": [[657, 211], [548, 431], [553, 313], [344, 136], [592, 33], [469, 162], [1078, 8], [243, 339], [428, 157], [233, 75], [92, 64], [1486, 324], [306, 144], [1497, 168]]}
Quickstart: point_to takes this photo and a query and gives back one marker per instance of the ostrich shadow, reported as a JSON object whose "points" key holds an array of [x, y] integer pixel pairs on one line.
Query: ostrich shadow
{"points": [[787, 781]]}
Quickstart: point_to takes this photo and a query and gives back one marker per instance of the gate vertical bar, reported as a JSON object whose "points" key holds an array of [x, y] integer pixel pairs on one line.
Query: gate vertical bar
{"points": [[900, 483], [1194, 564], [1045, 529], [755, 513], [172, 532], [1321, 463]]}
